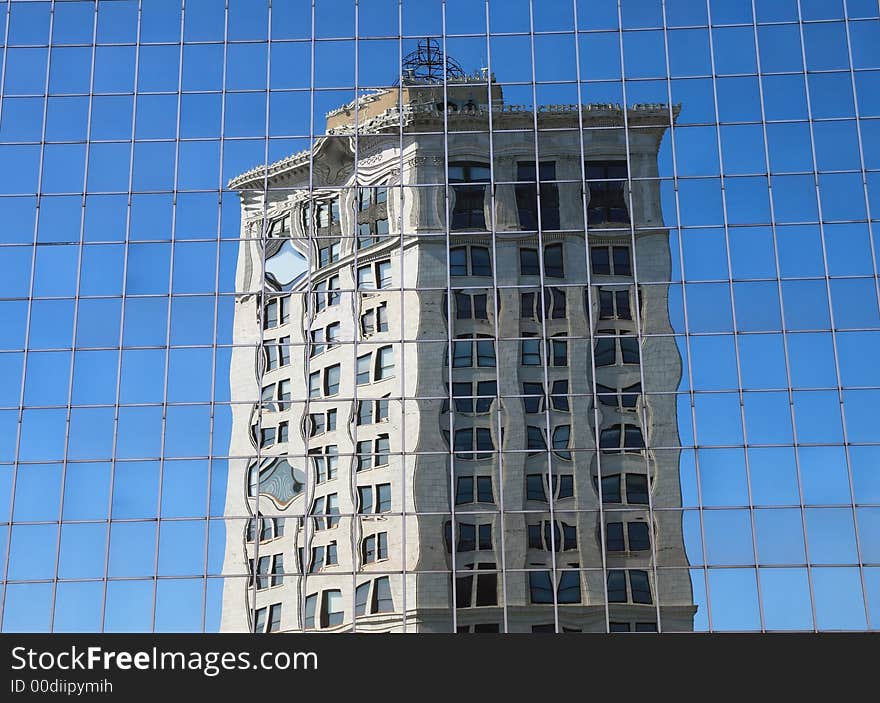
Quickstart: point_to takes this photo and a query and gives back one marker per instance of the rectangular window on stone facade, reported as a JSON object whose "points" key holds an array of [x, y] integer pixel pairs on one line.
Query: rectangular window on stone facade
{"points": [[531, 195], [606, 181], [611, 260], [468, 190]]}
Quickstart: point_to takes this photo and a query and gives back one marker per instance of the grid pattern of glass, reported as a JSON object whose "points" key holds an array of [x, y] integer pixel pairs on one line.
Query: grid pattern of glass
{"points": [[440, 315]]}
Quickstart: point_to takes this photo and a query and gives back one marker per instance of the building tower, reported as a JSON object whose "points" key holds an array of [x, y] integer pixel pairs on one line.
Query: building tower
{"points": [[459, 412]]}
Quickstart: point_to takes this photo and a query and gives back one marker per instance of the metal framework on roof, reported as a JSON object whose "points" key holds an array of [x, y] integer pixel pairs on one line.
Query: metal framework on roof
{"points": [[428, 63]]}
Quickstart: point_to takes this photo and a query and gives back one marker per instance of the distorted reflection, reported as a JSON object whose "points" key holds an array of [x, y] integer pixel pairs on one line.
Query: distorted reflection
{"points": [[447, 367]]}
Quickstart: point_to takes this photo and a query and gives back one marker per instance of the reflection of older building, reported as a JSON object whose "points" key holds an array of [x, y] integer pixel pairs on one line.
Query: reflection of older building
{"points": [[434, 385]]}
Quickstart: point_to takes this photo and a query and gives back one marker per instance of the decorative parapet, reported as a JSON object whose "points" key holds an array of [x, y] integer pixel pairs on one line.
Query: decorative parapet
{"points": [[263, 171], [592, 114], [391, 116]]}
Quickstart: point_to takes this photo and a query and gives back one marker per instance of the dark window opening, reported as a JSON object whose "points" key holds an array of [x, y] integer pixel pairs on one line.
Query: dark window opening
{"points": [[607, 188], [528, 193], [468, 209]]}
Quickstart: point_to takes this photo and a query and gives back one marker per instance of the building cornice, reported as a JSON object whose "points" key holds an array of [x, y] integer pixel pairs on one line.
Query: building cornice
{"points": [[430, 116]]}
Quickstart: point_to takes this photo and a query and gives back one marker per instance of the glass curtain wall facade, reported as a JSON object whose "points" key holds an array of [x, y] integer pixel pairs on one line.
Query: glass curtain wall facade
{"points": [[440, 315]]}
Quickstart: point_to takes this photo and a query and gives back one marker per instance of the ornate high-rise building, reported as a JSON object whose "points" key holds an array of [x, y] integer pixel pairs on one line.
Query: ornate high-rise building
{"points": [[454, 407]]}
